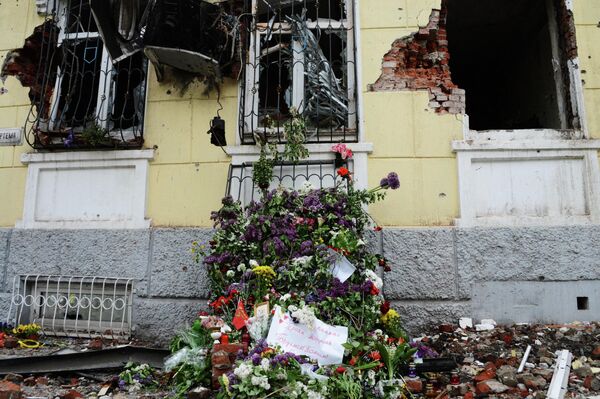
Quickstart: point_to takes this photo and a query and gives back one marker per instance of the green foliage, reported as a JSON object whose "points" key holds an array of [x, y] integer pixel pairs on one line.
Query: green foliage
{"points": [[294, 131], [94, 135], [345, 386], [394, 358]]}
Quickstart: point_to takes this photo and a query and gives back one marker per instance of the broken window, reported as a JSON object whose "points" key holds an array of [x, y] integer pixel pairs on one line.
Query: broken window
{"points": [[511, 58], [300, 55], [93, 102]]}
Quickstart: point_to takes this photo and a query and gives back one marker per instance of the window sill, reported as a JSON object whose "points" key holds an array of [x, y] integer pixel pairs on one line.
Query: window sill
{"points": [[316, 150]]}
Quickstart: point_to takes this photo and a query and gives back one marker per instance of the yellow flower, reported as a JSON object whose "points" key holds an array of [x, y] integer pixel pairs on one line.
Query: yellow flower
{"points": [[264, 272], [390, 317]]}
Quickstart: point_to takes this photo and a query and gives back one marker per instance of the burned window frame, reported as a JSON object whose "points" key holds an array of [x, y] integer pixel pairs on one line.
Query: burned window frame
{"points": [[249, 122], [101, 127]]}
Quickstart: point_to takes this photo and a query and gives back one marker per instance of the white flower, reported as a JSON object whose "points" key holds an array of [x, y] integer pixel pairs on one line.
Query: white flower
{"points": [[285, 297], [261, 381], [243, 371], [253, 263], [241, 267], [304, 315], [230, 273], [307, 187], [314, 395], [264, 364], [301, 261], [370, 274]]}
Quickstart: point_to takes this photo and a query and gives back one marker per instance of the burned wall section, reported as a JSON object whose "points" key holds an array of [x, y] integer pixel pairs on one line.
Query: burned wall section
{"points": [[28, 64], [420, 61], [568, 47]]}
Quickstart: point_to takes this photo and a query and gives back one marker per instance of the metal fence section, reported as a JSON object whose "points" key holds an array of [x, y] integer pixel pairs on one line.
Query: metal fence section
{"points": [[299, 54], [316, 174], [73, 306]]}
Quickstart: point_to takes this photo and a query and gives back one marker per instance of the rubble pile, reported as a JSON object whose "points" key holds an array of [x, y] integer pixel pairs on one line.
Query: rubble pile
{"points": [[488, 360]]}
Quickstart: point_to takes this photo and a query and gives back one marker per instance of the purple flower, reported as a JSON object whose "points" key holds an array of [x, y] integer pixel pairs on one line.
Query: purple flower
{"points": [[393, 180], [306, 248], [313, 203], [68, 142], [384, 182]]}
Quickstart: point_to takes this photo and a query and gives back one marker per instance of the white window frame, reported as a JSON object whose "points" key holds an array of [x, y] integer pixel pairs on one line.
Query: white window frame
{"points": [[504, 148], [106, 86], [252, 75], [244, 154]]}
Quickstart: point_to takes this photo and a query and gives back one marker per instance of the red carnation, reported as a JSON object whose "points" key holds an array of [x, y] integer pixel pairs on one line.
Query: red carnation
{"points": [[374, 290], [385, 307], [375, 355], [343, 172], [340, 370]]}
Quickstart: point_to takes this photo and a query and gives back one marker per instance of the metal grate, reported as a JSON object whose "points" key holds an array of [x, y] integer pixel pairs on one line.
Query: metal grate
{"points": [[299, 54], [73, 306], [321, 174], [81, 98]]}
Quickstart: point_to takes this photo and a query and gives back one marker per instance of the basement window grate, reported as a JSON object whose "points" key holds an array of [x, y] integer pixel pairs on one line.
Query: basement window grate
{"points": [[73, 306], [319, 173]]}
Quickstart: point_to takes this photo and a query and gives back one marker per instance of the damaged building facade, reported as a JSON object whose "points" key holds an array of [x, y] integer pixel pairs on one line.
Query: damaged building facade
{"points": [[124, 122]]}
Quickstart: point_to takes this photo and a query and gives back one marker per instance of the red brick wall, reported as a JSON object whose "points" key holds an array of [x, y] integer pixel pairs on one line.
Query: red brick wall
{"points": [[420, 61]]}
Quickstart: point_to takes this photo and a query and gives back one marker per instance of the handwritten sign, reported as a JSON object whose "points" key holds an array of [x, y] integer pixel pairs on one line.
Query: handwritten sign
{"points": [[11, 136], [342, 269], [323, 342]]}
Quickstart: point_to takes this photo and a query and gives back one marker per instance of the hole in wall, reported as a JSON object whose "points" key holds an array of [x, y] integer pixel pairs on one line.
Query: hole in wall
{"points": [[501, 54], [583, 303]]}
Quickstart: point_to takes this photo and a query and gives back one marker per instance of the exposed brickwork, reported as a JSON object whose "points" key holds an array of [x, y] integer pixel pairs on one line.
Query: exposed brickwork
{"points": [[420, 61], [566, 26], [27, 64], [568, 46]]}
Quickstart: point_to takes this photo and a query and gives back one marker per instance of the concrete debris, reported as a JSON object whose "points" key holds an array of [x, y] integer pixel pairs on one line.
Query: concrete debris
{"points": [[488, 360], [465, 322]]}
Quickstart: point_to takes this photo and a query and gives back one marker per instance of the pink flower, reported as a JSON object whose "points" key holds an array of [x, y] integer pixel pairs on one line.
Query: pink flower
{"points": [[341, 149]]}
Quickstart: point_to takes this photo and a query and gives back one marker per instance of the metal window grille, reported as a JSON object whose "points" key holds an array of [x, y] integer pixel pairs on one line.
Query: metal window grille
{"points": [[300, 54], [83, 99], [321, 174], [73, 306]]}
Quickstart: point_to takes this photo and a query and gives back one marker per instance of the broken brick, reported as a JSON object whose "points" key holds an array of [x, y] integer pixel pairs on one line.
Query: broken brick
{"points": [[420, 61], [72, 394], [9, 390]]}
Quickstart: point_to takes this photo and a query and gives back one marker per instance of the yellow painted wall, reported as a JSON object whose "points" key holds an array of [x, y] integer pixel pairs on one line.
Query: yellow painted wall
{"points": [[188, 176], [407, 136], [17, 20]]}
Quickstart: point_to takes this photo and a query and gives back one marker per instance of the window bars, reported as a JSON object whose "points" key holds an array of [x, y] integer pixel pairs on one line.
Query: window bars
{"points": [[320, 174], [81, 99], [73, 306], [300, 54]]}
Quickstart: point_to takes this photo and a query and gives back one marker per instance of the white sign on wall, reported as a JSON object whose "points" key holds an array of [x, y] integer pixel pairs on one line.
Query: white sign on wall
{"points": [[323, 342], [11, 136]]}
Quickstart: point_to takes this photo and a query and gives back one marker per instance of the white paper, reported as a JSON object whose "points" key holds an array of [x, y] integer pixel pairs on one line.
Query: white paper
{"points": [[323, 343], [342, 269]]}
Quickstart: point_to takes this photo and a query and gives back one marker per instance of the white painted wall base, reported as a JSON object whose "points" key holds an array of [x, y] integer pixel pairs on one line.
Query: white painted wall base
{"points": [[514, 180], [91, 189]]}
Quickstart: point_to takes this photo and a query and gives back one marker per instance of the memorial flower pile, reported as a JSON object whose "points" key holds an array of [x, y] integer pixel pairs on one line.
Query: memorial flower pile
{"points": [[298, 260]]}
